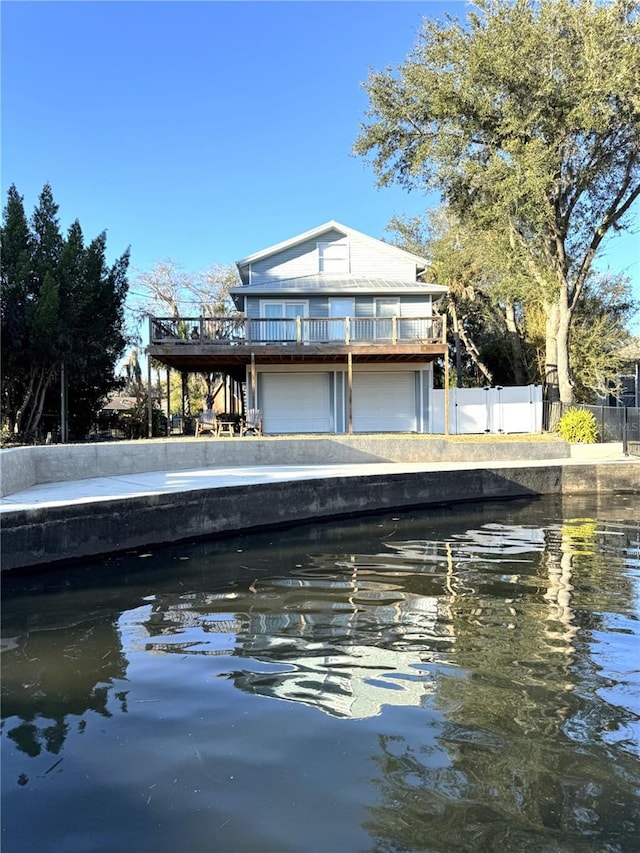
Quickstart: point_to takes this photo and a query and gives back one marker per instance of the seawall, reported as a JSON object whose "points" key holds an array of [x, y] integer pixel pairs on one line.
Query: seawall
{"points": [[22, 467], [41, 535]]}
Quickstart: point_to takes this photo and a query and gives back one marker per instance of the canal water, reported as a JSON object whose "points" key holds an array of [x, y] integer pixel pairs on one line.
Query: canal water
{"points": [[452, 679]]}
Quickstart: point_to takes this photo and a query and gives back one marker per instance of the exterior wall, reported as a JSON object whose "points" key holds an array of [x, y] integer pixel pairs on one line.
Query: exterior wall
{"points": [[410, 306], [366, 259], [370, 260]]}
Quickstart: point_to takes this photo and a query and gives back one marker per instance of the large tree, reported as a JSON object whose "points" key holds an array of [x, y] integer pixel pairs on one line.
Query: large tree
{"points": [[526, 118], [484, 298], [167, 288], [62, 311], [497, 324]]}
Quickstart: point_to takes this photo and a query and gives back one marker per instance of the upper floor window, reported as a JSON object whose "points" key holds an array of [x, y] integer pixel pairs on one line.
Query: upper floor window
{"points": [[333, 257]]}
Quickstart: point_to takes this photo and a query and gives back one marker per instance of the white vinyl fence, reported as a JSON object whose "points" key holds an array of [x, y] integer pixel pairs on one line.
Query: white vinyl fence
{"points": [[488, 410]]}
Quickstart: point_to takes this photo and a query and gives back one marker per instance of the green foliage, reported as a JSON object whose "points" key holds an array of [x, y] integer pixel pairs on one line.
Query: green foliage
{"points": [[61, 303], [525, 118], [578, 426], [485, 297]]}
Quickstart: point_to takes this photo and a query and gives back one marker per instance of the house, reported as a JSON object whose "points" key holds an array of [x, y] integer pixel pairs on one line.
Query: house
{"points": [[335, 332], [627, 383]]}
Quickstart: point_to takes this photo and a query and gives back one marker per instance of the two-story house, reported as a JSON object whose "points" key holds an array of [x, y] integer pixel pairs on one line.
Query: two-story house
{"points": [[335, 333]]}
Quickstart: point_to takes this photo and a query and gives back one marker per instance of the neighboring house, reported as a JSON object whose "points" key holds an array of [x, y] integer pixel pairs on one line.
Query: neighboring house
{"points": [[118, 403], [335, 333], [626, 386]]}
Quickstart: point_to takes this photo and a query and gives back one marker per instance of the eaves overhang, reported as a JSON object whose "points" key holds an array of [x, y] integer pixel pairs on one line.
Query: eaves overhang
{"points": [[314, 285]]}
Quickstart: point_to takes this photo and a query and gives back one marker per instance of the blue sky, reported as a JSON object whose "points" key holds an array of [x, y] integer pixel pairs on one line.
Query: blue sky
{"points": [[205, 131]]}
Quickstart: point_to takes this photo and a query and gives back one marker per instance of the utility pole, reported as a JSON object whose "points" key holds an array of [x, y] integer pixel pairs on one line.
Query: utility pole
{"points": [[64, 415]]}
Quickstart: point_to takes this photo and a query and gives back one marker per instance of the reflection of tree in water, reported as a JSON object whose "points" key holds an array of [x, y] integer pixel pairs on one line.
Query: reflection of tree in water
{"points": [[50, 675], [516, 753]]}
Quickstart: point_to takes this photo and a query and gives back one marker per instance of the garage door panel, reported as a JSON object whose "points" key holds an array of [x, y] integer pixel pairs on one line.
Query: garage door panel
{"points": [[384, 402], [294, 403]]}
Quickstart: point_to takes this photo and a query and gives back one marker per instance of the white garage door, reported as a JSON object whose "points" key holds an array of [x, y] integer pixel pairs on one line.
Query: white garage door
{"points": [[384, 402], [296, 402]]}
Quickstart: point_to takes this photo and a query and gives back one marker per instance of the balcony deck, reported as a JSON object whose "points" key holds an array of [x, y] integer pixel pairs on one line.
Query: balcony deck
{"points": [[205, 344]]}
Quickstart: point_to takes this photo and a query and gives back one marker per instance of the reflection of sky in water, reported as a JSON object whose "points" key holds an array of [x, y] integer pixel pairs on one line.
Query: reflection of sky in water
{"points": [[435, 681]]}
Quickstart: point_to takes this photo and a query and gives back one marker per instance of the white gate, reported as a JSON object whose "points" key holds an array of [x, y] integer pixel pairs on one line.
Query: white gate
{"points": [[488, 410]]}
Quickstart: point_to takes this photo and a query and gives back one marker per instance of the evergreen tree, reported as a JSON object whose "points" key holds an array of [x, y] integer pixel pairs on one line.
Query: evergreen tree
{"points": [[61, 306]]}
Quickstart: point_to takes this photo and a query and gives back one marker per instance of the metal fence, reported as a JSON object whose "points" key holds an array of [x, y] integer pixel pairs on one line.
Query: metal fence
{"points": [[615, 423]]}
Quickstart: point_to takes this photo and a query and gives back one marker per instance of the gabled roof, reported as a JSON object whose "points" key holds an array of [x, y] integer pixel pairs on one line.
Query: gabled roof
{"points": [[337, 284], [332, 225]]}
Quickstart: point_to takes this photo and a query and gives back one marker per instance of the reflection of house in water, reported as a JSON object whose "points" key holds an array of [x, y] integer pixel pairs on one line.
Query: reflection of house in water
{"points": [[341, 673], [345, 646], [350, 633]]}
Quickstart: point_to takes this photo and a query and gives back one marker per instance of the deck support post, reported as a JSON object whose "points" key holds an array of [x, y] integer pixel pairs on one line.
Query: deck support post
{"points": [[350, 390], [149, 400], [254, 389], [446, 376], [168, 400]]}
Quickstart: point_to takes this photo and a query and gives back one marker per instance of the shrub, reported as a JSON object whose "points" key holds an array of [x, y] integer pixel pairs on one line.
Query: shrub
{"points": [[578, 426]]}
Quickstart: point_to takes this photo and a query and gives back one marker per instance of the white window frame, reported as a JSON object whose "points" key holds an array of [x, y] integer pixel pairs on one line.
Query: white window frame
{"points": [[333, 257], [284, 302], [277, 333], [381, 300]]}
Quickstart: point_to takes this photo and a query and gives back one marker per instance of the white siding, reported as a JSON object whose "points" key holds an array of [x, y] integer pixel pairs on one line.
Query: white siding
{"points": [[293, 262], [416, 307], [374, 259], [367, 257]]}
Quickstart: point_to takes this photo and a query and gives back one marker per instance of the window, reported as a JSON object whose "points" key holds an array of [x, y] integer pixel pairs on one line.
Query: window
{"points": [[278, 323], [333, 257], [387, 307], [339, 306]]}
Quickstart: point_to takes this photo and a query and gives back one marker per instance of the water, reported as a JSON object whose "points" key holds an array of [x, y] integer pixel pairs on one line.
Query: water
{"points": [[440, 680]]}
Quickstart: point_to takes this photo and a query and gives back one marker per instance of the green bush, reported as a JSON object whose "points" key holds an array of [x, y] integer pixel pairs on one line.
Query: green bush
{"points": [[578, 426]]}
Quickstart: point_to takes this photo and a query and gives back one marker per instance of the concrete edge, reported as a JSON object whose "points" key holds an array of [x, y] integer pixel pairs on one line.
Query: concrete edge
{"points": [[22, 467], [49, 535]]}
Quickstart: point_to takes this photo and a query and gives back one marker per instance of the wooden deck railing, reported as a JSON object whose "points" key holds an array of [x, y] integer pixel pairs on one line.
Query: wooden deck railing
{"points": [[336, 331]]}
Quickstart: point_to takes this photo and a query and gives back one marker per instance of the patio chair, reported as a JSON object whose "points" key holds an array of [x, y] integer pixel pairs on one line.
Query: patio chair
{"points": [[252, 423], [206, 422]]}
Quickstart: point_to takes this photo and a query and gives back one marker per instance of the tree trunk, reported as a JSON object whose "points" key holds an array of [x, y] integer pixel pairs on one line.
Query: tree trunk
{"points": [[456, 338], [470, 346], [553, 409], [552, 391], [43, 376], [186, 402], [17, 428], [565, 384], [516, 343]]}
